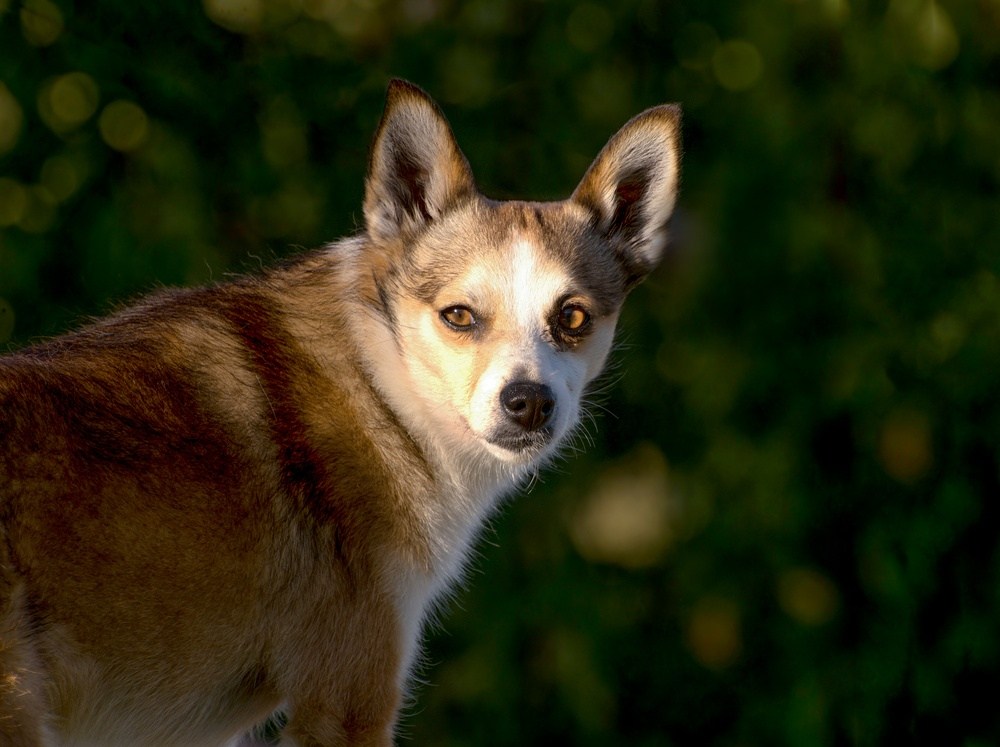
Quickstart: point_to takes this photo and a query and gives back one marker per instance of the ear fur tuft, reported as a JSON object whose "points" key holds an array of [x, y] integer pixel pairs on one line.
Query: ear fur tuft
{"points": [[416, 170], [631, 187]]}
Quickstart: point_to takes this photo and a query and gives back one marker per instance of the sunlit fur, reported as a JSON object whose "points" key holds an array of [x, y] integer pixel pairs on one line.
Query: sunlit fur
{"points": [[224, 501]]}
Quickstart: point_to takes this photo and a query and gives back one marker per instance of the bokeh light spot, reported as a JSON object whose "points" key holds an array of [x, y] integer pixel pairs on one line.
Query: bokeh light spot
{"points": [[41, 22], [61, 177], [11, 120], [13, 202], [807, 596], [238, 16], [905, 445], [926, 31], [936, 37], [714, 632], [837, 11], [124, 126], [627, 518], [68, 101], [737, 65]]}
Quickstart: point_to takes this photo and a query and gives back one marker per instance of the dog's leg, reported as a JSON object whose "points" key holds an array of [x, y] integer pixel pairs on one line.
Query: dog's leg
{"points": [[23, 711], [353, 706], [319, 728], [363, 722]]}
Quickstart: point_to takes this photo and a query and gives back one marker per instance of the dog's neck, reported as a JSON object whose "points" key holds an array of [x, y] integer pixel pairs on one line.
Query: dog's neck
{"points": [[468, 480]]}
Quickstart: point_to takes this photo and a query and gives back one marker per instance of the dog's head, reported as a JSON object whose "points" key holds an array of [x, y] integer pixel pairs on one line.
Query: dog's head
{"points": [[501, 313]]}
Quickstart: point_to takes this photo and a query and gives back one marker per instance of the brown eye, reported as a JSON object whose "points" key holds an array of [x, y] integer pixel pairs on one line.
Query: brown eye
{"points": [[573, 318], [459, 317]]}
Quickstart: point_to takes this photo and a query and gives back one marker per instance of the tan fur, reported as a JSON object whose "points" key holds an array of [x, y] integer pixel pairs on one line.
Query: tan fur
{"points": [[224, 501]]}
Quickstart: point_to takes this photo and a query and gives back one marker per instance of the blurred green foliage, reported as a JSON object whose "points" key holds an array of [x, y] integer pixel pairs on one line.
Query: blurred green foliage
{"points": [[786, 529]]}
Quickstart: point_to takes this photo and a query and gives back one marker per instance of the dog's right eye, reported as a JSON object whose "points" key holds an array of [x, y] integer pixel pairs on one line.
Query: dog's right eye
{"points": [[459, 317]]}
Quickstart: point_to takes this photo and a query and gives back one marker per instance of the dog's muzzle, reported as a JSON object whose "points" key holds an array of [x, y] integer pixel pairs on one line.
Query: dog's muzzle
{"points": [[528, 409]]}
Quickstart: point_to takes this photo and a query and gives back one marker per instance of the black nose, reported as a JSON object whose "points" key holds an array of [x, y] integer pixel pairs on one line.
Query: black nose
{"points": [[528, 404]]}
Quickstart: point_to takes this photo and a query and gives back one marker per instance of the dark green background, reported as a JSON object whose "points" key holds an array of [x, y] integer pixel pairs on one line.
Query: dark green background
{"points": [[785, 529]]}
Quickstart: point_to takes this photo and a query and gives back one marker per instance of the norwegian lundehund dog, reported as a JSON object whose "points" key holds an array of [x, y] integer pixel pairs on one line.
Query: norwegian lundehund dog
{"points": [[224, 502]]}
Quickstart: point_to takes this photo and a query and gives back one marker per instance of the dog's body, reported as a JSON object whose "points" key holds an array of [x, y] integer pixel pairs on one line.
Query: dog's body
{"points": [[223, 501]]}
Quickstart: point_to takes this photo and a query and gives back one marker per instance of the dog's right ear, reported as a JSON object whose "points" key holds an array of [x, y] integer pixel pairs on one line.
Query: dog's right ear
{"points": [[416, 170]]}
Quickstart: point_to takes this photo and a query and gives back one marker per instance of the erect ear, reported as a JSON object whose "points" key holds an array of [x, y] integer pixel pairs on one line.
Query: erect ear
{"points": [[631, 187], [415, 171]]}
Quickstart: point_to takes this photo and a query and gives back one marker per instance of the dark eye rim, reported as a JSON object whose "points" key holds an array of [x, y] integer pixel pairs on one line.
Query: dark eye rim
{"points": [[574, 331], [443, 314]]}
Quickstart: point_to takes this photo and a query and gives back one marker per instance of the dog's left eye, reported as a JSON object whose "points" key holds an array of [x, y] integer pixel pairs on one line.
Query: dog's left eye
{"points": [[573, 318], [459, 317]]}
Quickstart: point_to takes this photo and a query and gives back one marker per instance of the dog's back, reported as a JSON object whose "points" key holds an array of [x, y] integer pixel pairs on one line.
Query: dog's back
{"points": [[168, 486]]}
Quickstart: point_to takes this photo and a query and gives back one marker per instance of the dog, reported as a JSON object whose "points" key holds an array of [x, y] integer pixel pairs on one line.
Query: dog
{"points": [[226, 502]]}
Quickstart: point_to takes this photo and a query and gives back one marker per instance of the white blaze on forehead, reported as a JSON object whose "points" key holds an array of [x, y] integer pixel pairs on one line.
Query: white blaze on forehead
{"points": [[535, 284]]}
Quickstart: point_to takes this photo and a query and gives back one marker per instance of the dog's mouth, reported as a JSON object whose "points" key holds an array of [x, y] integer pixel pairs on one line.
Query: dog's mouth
{"points": [[522, 444]]}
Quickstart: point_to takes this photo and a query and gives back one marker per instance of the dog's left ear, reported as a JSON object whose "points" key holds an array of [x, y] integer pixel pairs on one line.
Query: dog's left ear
{"points": [[631, 187], [416, 170]]}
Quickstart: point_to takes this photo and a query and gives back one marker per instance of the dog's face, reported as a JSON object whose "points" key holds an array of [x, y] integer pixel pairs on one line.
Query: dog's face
{"points": [[503, 312], [500, 333]]}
